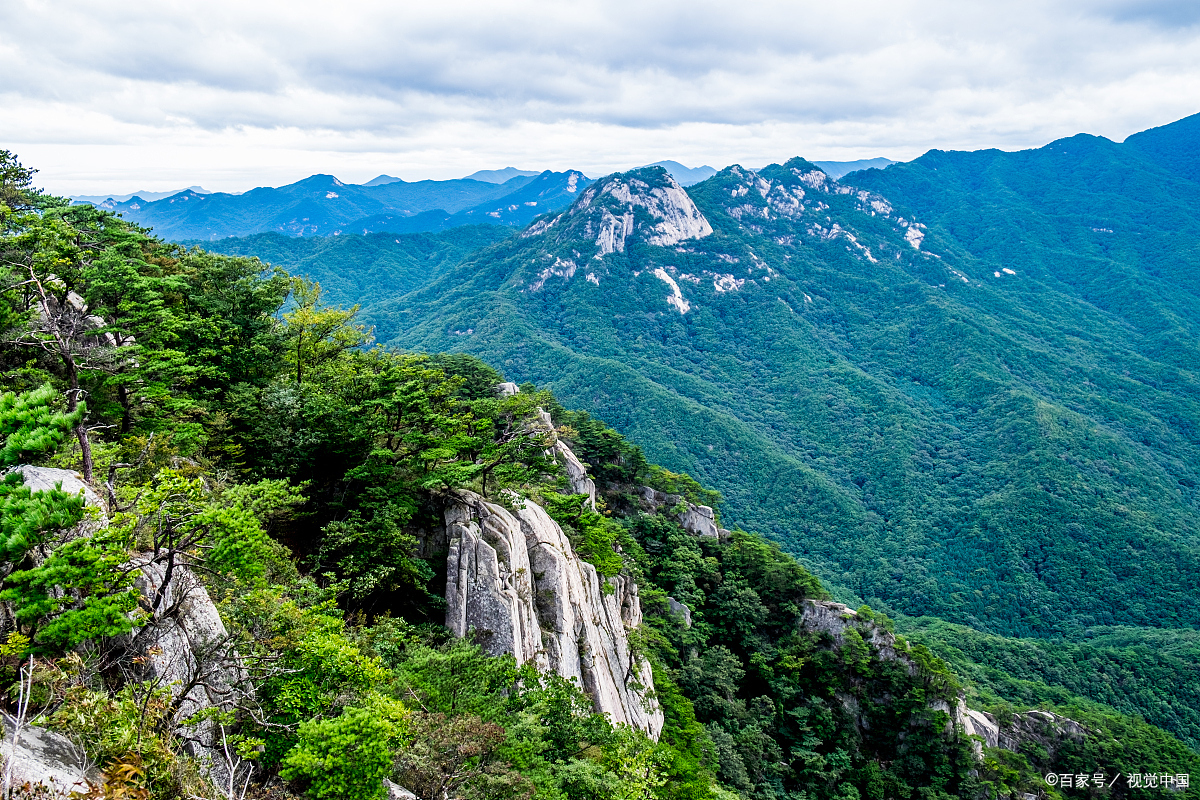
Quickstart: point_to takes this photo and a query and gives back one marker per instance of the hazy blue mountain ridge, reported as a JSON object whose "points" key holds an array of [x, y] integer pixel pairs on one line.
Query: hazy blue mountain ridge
{"points": [[318, 205], [500, 175], [686, 176], [547, 191], [838, 169]]}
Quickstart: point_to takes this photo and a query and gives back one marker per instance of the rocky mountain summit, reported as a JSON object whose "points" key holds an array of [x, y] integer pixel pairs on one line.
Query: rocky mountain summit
{"points": [[646, 205]]}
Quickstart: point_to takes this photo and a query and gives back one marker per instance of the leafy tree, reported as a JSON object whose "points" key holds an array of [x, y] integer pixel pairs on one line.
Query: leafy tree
{"points": [[593, 535], [30, 425], [456, 757], [182, 523], [510, 440], [318, 333], [376, 554], [16, 184], [347, 756]]}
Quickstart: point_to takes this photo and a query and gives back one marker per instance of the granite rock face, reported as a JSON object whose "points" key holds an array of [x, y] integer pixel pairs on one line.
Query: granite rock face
{"points": [[514, 579], [676, 607], [41, 756], [185, 648], [561, 452], [700, 520], [43, 479], [980, 724], [834, 619], [397, 792]]}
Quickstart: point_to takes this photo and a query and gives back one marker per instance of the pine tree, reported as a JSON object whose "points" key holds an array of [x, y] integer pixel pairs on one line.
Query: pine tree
{"points": [[30, 425]]}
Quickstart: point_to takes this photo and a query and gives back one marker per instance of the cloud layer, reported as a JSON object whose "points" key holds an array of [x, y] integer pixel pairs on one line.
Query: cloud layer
{"points": [[128, 95]]}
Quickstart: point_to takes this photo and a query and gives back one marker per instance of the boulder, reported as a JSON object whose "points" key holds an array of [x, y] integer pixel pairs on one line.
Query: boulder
{"points": [[41, 756], [699, 520], [681, 609], [561, 452], [43, 479], [977, 723], [397, 792], [576, 472], [1045, 729], [835, 618]]}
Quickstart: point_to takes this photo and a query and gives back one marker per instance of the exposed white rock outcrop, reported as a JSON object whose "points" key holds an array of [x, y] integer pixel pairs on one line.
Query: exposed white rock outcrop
{"points": [[607, 213], [394, 790], [514, 578], [1047, 729], [185, 649], [983, 725], [835, 619], [38, 756], [700, 520], [675, 299], [576, 472], [682, 609], [561, 452], [43, 479], [678, 218], [613, 232], [562, 269]]}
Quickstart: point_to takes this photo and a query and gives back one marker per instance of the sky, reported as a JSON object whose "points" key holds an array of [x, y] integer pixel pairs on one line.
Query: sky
{"points": [[120, 96]]}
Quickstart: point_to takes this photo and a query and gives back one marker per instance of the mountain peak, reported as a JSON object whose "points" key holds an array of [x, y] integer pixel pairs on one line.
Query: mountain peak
{"points": [[685, 175], [646, 203], [383, 180], [500, 175]]}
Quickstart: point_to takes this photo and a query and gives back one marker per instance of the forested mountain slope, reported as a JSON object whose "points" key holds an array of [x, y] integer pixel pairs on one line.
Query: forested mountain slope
{"points": [[365, 269], [1000, 450]]}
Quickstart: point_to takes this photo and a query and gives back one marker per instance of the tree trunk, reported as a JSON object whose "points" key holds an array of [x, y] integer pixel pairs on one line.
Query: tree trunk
{"points": [[85, 445], [126, 417]]}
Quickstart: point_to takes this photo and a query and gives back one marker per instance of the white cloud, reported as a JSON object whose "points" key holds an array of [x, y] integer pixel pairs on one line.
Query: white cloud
{"points": [[130, 95]]}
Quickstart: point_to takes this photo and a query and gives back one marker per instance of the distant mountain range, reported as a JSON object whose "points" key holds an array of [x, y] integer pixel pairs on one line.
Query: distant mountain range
{"points": [[839, 169], [102, 199], [321, 205]]}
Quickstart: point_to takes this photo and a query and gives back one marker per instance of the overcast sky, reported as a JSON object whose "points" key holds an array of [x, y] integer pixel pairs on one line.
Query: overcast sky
{"points": [[231, 94]]}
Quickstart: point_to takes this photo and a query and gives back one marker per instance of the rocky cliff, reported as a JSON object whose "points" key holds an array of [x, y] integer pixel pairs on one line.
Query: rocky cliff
{"points": [[515, 583], [181, 645], [514, 580]]}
